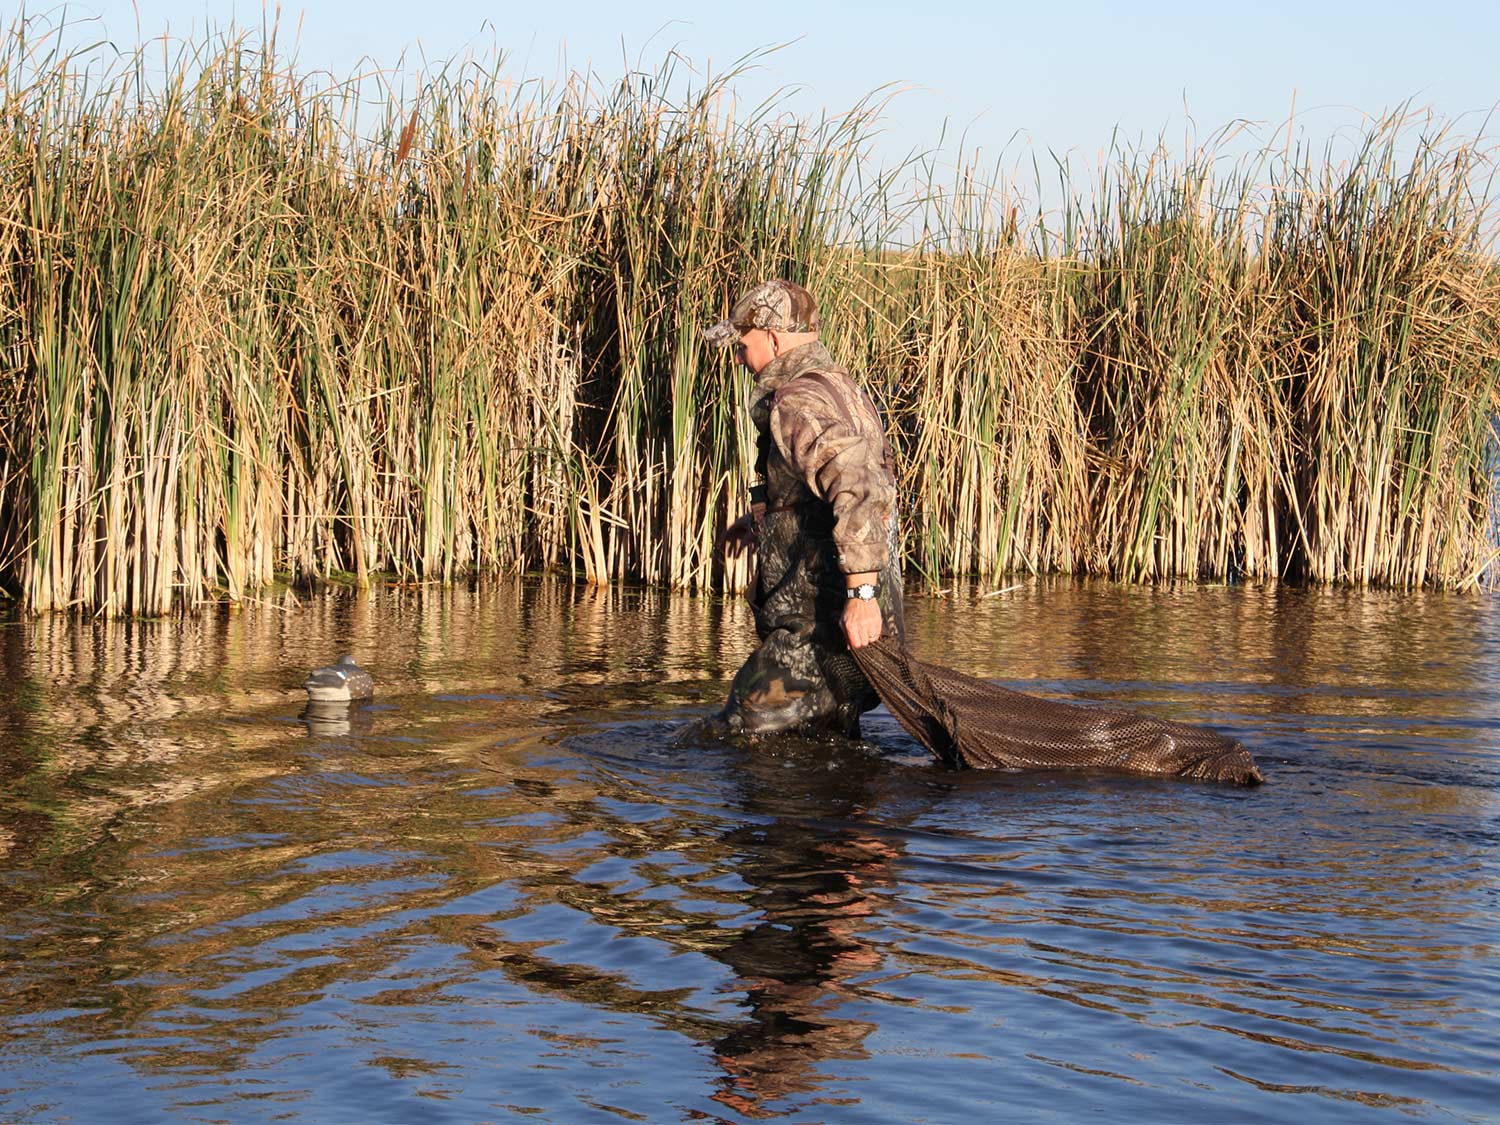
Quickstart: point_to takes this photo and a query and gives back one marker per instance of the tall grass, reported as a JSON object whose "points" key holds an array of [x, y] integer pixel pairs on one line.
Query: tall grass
{"points": [[246, 330]]}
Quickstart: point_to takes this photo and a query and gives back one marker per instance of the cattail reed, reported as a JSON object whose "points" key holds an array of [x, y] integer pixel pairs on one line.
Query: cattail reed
{"points": [[252, 326]]}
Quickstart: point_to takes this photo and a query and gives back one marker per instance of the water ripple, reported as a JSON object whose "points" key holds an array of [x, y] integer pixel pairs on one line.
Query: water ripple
{"points": [[505, 891]]}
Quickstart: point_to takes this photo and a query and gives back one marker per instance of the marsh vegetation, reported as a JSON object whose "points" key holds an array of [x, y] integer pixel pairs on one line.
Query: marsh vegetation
{"points": [[253, 326]]}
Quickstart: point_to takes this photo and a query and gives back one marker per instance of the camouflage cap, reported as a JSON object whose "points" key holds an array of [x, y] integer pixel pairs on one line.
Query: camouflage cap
{"points": [[783, 306]]}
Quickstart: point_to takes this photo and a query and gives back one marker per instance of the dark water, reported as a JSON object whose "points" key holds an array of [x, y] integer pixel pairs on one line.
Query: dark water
{"points": [[502, 891]]}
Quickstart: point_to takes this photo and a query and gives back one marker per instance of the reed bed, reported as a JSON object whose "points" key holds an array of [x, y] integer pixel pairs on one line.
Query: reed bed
{"points": [[253, 326]]}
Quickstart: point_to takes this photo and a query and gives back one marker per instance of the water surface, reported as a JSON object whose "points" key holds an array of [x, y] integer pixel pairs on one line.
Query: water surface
{"points": [[503, 891]]}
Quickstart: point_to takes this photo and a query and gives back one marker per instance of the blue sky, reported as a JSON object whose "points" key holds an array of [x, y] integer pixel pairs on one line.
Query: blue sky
{"points": [[1013, 79]]}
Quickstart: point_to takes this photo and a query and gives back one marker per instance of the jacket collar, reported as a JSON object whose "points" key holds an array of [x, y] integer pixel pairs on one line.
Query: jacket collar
{"points": [[811, 356]]}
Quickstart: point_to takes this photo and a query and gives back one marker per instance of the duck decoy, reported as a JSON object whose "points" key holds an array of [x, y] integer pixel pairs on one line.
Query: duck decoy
{"points": [[339, 683]]}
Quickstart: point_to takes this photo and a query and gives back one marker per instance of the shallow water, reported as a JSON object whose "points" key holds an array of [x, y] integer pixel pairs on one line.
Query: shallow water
{"points": [[503, 891]]}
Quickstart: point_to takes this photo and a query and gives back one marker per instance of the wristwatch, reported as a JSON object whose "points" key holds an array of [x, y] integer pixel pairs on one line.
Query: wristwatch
{"points": [[865, 592]]}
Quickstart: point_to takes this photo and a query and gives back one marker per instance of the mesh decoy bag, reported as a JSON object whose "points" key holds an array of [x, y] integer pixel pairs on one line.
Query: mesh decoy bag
{"points": [[971, 722]]}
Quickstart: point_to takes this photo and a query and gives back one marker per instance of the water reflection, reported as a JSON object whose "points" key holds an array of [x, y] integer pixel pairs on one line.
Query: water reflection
{"points": [[813, 878], [502, 889], [329, 720]]}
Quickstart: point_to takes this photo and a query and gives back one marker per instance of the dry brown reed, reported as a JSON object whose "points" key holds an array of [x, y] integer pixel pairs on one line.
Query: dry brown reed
{"points": [[245, 333]]}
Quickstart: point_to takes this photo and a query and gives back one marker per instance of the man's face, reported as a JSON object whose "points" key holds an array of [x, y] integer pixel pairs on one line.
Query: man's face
{"points": [[755, 349]]}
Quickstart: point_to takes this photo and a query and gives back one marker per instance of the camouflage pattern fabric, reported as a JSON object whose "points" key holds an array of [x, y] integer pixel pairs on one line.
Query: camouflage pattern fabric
{"points": [[830, 511], [828, 442], [783, 306]]}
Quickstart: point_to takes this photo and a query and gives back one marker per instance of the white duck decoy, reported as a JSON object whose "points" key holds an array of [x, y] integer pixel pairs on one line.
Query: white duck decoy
{"points": [[339, 683]]}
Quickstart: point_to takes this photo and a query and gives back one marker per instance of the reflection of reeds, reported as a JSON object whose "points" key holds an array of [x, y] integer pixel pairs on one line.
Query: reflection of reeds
{"points": [[244, 332]]}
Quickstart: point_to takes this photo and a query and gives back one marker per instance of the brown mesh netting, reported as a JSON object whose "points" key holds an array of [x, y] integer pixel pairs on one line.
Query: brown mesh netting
{"points": [[967, 721]]}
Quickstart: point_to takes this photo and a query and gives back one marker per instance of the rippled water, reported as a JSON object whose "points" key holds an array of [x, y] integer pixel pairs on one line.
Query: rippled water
{"points": [[503, 891]]}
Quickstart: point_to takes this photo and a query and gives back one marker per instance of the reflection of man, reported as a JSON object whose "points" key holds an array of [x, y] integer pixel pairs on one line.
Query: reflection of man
{"points": [[814, 885], [822, 519]]}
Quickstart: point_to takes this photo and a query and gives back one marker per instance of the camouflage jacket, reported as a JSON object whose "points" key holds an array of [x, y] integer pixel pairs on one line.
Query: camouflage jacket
{"points": [[822, 439]]}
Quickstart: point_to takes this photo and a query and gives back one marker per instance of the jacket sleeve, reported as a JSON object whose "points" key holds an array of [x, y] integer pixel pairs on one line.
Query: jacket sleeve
{"points": [[836, 444]]}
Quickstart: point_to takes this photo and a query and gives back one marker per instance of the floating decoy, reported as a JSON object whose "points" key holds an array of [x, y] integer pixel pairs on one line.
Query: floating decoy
{"points": [[339, 683]]}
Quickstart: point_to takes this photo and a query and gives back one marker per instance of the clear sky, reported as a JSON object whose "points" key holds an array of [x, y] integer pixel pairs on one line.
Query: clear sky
{"points": [[1012, 78]]}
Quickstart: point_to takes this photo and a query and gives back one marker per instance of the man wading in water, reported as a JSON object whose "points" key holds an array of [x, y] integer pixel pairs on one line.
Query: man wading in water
{"points": [[822, 520]]}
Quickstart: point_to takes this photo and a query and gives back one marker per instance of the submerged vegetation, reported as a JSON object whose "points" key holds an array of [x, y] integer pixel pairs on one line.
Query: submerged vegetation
{"points": [[246, 331]]}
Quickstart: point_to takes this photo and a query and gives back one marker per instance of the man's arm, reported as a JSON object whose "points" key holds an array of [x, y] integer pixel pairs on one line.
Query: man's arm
{"points": [[837, 445], [839, 451]]}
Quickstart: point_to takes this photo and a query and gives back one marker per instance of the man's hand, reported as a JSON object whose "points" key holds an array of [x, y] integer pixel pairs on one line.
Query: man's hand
{"points": [[742, 535], [862, 622]]}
